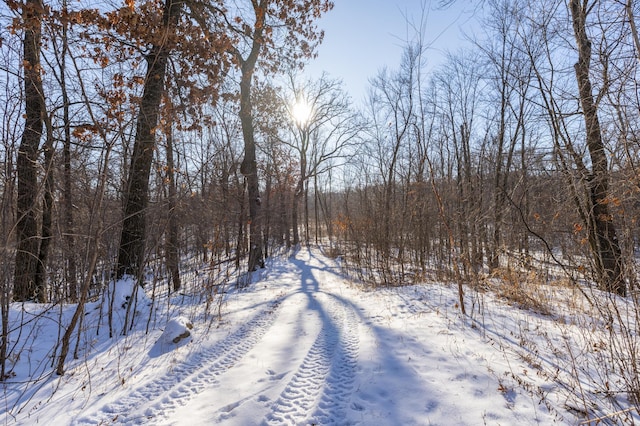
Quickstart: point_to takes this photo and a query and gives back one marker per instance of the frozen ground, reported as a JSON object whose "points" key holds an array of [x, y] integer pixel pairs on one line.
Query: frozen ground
{"points": [[304, 346]]}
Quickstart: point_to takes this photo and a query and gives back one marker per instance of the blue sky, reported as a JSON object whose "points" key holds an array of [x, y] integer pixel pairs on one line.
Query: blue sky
{"points": [[362, 36]]}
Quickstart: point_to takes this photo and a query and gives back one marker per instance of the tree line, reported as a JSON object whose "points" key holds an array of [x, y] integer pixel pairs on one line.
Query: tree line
{"points": [[520, 150]]}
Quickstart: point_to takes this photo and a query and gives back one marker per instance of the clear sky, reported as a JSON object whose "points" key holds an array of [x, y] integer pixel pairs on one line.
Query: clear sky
{"points": [[362, 36]]}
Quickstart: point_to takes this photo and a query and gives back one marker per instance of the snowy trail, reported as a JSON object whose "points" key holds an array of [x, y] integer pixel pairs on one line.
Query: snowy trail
{"points": [[184, 380], [318, 392], [315, 326], [303, 346], [319, 332]]}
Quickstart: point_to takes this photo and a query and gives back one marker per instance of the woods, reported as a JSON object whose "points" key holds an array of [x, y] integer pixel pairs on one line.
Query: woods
{"points": [[158, 140]]}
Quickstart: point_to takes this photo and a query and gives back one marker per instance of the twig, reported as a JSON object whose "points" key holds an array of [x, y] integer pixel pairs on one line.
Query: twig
{"points": [[608, 416]]}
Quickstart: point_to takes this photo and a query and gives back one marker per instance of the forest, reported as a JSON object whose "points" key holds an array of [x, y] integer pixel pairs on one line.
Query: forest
{"points": [[162, 140]]}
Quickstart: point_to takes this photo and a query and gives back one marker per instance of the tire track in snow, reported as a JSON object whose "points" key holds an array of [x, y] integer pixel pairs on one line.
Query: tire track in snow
{"points": [[319, 391], [185, 379], [332, 408]]}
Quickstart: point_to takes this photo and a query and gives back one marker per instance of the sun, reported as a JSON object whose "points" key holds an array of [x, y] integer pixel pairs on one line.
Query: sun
{"points": [[301, 111]]}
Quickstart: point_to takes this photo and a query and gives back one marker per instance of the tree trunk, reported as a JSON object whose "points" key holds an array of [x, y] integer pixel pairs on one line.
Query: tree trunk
{"points": [[172, 245], [249, 166], [316, 209], [294, 218], [249, 169], [26, 226], [132, 240], [306, 212], [46, 233], [240, 244], [603, 238], [268, 208], [288, 223], [67, 198], [634, 30]]}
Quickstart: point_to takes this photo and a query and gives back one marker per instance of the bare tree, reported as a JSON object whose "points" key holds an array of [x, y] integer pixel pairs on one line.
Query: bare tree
{"points": [[278, 33], [393, 108], [459, 85], [67, 196], [504, 68], [249, 167], [603, 238], [323, 127], [172, 244]]}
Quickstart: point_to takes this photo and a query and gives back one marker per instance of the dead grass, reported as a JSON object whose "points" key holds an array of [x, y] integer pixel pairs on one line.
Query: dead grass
{"points": [[524, 289]]}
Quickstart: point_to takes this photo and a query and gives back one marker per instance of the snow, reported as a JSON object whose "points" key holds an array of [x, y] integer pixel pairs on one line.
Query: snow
{"points": [[301, 345], [177, 333]]}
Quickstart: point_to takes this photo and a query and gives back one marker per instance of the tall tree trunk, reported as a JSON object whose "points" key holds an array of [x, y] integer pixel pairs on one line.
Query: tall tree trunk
{"points": [[268, 208], [26, 226], [499, 196], [132, 240], [226, 201], [294, 218], [249, 169], [634, 30], [67, 198], [307, 236], [316, 209], [603, 238], [172, 245], [288, 223], [46, 233], [466, 194], [240, 244], [388, 196], [249, 166]]}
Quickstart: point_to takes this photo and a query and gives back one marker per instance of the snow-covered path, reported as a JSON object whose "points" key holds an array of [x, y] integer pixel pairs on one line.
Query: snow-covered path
{"points": [[305, 347], [301, 370]]}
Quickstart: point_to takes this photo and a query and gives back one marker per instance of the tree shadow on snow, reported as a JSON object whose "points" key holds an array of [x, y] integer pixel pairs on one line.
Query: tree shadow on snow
{"points": [[368, 384]]}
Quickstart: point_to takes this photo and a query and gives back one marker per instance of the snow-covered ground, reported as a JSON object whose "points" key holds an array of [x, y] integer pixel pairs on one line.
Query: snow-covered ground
{"points": [[303, 345]]}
